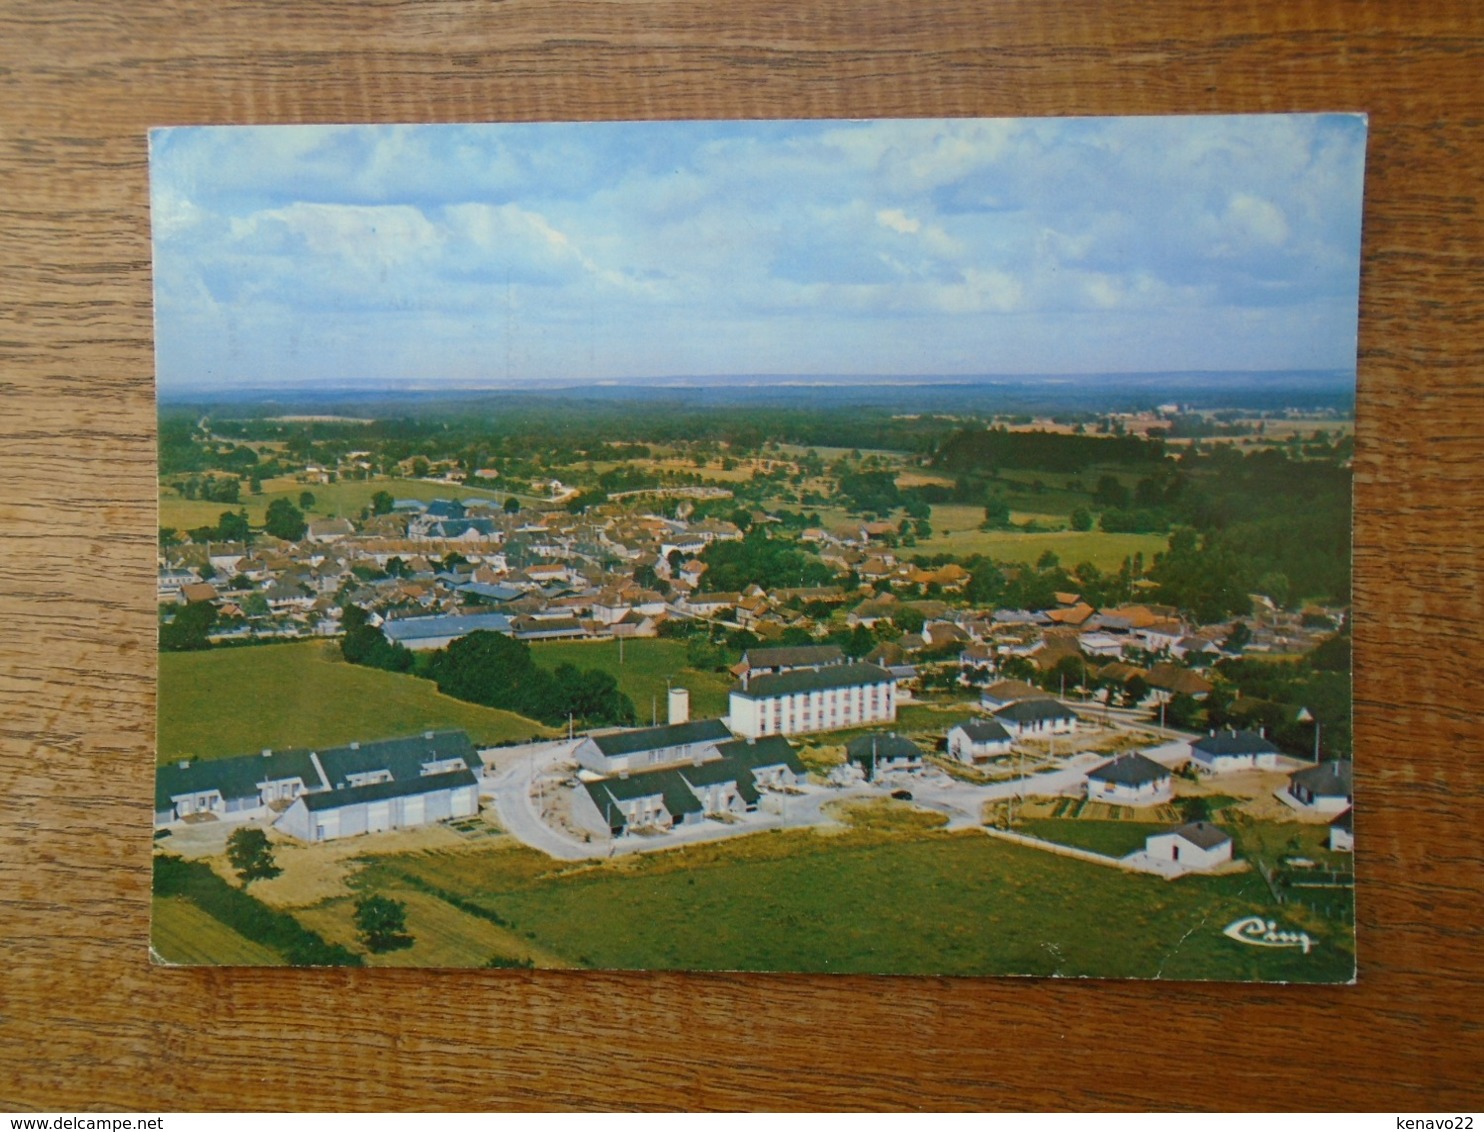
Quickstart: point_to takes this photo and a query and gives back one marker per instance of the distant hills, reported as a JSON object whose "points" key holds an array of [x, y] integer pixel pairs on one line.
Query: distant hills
{"points": [[1012, 393]]}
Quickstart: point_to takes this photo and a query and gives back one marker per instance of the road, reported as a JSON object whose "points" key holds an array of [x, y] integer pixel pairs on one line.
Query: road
{"points": [[514, 789]]}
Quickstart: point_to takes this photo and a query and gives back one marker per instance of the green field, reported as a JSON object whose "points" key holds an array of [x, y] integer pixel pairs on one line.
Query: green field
{"points": [[1103, 550], [236, 700], [443, 936], [894, 895], [347, 498], [1110, 838], [647, 663], [182, 933]]}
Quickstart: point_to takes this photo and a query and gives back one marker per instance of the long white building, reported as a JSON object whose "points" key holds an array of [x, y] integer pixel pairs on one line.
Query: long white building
{"points": [[813, 699]]}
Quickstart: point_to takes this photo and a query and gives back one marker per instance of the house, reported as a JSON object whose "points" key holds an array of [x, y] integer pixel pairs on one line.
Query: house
{"points": [[1006, 692], [813, 699], [711, 603], [1195, 846], [330, 530], [1326, 788], [1224, 751], [978, 740], [879, 754], [1043, 716], [1174, 680], [1131, 779], [1342, 832], [729, 783], [624, 752], [193, 592], [761, 662], [337, 792]]}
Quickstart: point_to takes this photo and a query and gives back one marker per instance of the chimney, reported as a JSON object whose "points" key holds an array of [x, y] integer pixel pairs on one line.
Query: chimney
{"points": [[185, 763], [267, 751], [355, 745], [1262, 732], [427, 734], [679, 705]]}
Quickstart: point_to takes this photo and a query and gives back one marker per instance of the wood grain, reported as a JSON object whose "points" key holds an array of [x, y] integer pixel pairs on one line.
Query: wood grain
{"points": [[85, 1022]]}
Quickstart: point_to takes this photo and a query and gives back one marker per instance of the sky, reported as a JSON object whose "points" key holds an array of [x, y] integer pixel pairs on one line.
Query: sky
{"points": [[442, 256]]}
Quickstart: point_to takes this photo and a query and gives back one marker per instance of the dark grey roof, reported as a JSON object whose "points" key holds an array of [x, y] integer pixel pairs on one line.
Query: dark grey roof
{"points": [[657, 738], [1132, 769], [798, 656], [423, 628], [1202, 834], [377, 791], [1345, 821], [1331, 779], [882, 747], [721, 770], [237, 777], [984, 731], [1234, 743], [668, 784], [812, 680], [403, 758], [771, 750], [1031, 711]]}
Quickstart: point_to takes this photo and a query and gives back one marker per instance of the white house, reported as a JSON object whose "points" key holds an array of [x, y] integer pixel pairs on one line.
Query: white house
{"points": [[623, 752], [1342, 833], [1130, 780], [1030, 718], [1196, 845], [879, 754], [1003, 693], [813, 699], [730, 783], [1222, 752], [380, 806], [1326, 788], [978, 740], [337, 792]]}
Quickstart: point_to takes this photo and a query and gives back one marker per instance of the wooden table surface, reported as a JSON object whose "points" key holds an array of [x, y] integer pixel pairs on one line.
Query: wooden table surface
{"points": [[85, 1022]]}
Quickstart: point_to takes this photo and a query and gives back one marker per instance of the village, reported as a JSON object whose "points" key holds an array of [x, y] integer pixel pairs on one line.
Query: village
{"points": [[1073, 701]]}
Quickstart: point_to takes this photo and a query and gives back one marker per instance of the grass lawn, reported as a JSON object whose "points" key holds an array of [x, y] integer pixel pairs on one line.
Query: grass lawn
{"points": [[882, 896], [237, 700], [646, 665], [1110, 838], [443, 936], [1103, 550], [183, 933]]}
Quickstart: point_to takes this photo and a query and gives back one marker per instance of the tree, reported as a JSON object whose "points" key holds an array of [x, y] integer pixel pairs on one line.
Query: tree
{"points": [[187, 631], [381, 922], [1081, 519], [1135, 691], [1238, 639], [382, 503], [996, 513], [232, 527], [512, 505], [306, 499], [251, 855], [285, 521], [1194, 808]]}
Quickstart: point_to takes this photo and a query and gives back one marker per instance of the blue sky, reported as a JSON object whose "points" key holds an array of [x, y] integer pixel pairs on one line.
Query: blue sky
{"points": [[482, 255]]}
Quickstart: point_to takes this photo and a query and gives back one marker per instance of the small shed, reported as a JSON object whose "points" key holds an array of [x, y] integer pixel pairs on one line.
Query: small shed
{"points": [[1195, 845]]}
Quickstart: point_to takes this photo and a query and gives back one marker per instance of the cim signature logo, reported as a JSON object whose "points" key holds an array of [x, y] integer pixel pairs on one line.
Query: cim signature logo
{"points": [[1258, 932]]}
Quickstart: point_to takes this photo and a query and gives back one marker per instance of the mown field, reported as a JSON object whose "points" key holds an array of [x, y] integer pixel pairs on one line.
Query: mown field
{"points": [[1110, 838], [890, 894], [180, 932], [237, 700], [647, 664]]}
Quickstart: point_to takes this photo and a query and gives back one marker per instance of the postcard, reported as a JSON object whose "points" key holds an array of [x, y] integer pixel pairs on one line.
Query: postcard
{"points": [[900, 546]]}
